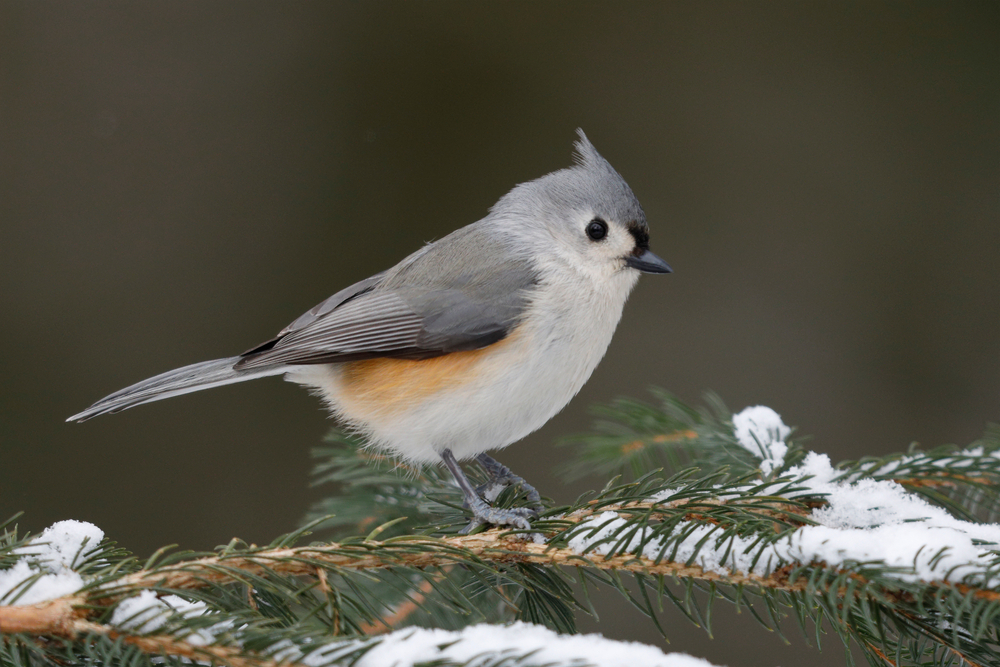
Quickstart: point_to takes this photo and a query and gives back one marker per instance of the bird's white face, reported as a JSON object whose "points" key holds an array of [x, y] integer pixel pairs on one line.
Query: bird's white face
{"points": [[597, 246]]}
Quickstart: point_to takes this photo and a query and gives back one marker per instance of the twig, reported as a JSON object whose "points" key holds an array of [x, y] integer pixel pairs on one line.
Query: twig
{"points": [[641, 443], [492, 546], [160, 644], [403, 610], [945, 479], [877, 651], [779, 510]]}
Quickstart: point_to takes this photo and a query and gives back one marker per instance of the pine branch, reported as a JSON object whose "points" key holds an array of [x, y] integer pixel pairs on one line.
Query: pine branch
{"points": [[757, 522], [63, 617]]}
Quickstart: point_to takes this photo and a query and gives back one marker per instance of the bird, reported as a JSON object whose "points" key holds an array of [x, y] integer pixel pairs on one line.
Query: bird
{"points": [[470, 343]]}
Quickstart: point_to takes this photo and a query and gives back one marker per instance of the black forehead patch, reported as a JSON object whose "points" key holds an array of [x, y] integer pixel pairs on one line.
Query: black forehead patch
{"points": [[640, 235]]}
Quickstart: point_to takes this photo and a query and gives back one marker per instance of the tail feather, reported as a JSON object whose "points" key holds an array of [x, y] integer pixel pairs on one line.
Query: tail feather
{"points": [[179, 381]]}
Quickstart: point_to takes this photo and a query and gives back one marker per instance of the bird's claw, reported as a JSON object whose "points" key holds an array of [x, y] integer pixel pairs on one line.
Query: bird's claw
{"points": [[482, 513], [494, 487], [500, 478]]}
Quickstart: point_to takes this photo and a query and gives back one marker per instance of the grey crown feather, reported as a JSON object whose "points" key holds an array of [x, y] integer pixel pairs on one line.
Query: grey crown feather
{"points": [[591, 184]]}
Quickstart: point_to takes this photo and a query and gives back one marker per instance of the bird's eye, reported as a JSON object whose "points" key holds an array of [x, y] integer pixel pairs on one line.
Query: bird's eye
{"points": [[597, 229]]}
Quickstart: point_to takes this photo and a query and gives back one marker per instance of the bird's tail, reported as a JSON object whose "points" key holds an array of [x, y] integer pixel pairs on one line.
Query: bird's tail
{"points": [[179, 381]]}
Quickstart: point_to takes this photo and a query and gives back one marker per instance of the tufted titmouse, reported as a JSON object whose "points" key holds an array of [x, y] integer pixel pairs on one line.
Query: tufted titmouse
{"points": [[470, 343]]}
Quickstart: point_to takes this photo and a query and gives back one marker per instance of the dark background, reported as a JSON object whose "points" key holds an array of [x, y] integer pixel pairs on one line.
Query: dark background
{"points": [[179, 180]]}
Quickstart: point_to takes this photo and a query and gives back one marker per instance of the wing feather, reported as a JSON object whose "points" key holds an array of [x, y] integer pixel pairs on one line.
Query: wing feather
{"points": [[426, 306]]}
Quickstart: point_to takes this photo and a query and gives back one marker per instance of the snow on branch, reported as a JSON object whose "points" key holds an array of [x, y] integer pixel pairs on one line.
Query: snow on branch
{"points": [[512, 645], [155, 622], [45, 568], [872, 522]]}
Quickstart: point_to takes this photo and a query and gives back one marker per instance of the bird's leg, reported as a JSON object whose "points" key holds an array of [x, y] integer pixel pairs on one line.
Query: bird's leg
{"points": [[482, 512], [500, 478]]}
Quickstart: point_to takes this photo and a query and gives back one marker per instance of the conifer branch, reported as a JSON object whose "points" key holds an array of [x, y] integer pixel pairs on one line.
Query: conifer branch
{"points": [[61, 617], [54, 617], [741, 513]]}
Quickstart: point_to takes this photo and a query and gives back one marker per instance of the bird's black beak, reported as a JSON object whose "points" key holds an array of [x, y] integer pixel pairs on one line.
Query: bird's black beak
{"points": [[647, 262]]}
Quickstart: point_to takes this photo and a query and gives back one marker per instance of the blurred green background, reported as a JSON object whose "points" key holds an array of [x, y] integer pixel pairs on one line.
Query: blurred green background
{"points": [[179, 180]]}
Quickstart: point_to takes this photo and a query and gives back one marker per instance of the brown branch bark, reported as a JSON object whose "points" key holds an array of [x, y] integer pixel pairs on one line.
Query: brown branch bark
{"points": [[52, 617], [943, 479], [488, 546], [160, 644]]}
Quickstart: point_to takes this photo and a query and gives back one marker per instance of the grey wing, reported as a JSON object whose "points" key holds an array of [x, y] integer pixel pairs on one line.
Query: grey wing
{"points": [[326, 306], [330, 304], [410, 320]]}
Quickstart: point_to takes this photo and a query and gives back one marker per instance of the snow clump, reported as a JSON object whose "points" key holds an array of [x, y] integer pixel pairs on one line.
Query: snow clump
{"points": [[45, 569], [412, 646], [760, 431], [146, 613]]}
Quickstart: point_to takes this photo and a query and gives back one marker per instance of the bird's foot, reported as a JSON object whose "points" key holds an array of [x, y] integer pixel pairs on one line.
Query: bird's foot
{"points": [[483, 514], [491, 489], [500, 478]]}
